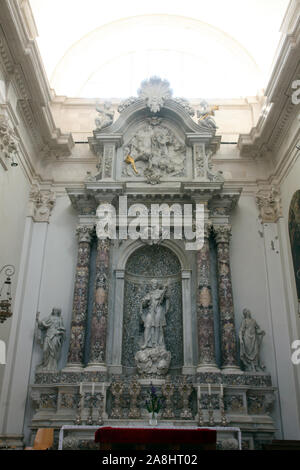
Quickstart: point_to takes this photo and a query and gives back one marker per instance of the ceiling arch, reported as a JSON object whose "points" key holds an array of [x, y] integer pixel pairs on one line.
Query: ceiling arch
{"points": [[197, 58]]}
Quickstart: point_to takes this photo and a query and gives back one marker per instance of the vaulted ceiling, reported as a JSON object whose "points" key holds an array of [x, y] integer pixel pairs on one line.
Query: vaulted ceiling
{"points": [[216, 48]]}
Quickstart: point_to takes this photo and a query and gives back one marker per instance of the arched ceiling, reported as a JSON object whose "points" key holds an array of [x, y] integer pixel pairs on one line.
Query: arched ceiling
{"points": [[215, 49]]}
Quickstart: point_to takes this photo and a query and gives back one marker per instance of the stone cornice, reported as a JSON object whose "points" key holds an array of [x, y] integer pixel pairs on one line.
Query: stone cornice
{"points": [[265, 138], [221, 202], [21, 64]]}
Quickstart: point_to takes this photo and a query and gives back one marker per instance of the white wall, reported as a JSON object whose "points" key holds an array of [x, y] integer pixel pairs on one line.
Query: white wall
{"points": [[14, 190], [258, 284], [57, 283]]}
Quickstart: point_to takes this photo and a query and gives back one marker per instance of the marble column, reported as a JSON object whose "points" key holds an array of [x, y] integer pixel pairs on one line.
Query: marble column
{"points": [[227, 324], [205, 315], [80, 301], [100, 307]]}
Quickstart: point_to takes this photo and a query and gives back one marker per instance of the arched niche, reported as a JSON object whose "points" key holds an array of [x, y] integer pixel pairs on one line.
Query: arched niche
{"points": [[144, 264], [294, 231]]}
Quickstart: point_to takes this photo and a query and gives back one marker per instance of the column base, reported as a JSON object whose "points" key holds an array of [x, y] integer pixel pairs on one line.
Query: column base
{"points": [[188, 370], [232, 370], [208, 368], [12, 441], [94, 366], [115, 369], [73, 368]]}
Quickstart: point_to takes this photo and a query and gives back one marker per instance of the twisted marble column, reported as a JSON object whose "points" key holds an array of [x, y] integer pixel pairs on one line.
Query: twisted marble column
{"points": [[80, 300], [100, 307], [205, 315], [227, 325]]}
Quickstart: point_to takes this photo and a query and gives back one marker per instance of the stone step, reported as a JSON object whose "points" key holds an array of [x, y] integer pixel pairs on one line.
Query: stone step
{"points": [[282, 445]]}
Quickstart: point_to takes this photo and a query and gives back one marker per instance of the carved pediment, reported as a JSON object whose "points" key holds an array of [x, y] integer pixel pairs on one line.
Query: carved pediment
{"points": [[155, 139]]}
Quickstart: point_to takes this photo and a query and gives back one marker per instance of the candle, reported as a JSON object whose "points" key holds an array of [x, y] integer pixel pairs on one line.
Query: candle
{"points": [[199, 392], [209, 389], [221, 390], [80, 388], [93, 388]]}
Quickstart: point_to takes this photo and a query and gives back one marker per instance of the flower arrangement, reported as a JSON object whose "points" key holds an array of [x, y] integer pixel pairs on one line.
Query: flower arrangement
{"points": [[154, 403]]}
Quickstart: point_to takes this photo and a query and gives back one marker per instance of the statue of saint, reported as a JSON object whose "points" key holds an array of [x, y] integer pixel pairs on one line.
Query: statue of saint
{"points": [[250, 336], [53, 338], [105, 115], [154, 307], [205, 115]]}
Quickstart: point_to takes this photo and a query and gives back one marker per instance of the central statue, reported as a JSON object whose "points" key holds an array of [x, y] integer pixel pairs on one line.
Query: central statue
{"points": [[153, 358], [154, 308]]}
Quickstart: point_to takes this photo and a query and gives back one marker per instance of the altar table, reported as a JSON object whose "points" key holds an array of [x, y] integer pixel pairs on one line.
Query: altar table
{"points": [[112, 438], [92, 429]]}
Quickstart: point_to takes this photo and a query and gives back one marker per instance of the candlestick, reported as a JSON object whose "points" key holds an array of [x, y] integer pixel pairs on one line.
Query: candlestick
{"points": [[211, 420], [78, 400], [224, 421]]}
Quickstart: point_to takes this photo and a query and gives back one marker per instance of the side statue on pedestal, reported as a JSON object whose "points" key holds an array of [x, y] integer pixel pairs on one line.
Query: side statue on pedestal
{"points": [[52, 339], [153, 358], [250, 336]]}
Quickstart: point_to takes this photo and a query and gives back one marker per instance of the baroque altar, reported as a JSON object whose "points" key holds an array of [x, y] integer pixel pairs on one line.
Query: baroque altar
{"points": [[148, 310]]}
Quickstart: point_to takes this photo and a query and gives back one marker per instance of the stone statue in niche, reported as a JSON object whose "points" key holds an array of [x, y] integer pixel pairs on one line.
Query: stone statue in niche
{"points": [[250, 336], [153, 358], [105, 115], [154, 307], [52, 339], [154, 152], [205, 115]]}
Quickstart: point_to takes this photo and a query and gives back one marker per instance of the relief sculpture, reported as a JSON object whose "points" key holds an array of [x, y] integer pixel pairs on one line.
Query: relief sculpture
{"points": [[154, 152]]}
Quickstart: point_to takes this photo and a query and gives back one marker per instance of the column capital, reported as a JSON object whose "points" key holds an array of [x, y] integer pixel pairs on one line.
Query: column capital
{"points": [[40, 204], [269, 204], [8, 141], [103, 243], [222, 233], [84, 233], [208, 227]]}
